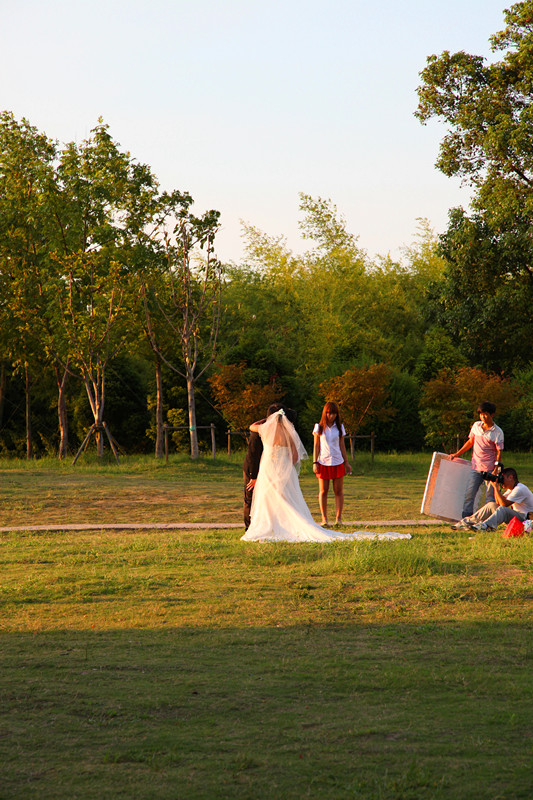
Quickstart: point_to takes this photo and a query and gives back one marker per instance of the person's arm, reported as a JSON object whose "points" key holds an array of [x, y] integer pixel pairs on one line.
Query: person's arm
{"points": [[254, 427], [467, 445], [498, 464], [316, 451], [345, 455], [294, 452], [502, 499], [253, 459]]}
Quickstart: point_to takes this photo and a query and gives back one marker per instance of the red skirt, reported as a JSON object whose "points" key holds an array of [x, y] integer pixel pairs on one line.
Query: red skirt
{"points": [[327, 473]]}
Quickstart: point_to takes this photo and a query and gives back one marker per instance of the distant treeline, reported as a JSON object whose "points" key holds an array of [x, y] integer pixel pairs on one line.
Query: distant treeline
{"points": [[114, 308]]}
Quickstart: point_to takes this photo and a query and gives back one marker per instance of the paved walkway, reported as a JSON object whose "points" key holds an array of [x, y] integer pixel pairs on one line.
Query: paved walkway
{"points": [[187, 526]]}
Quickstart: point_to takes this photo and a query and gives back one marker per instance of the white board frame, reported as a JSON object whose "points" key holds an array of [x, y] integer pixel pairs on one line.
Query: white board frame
{"points": [[445, 487]]}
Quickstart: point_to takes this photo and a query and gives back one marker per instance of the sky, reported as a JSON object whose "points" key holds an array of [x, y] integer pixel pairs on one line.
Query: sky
{"points": [[247, 103]]}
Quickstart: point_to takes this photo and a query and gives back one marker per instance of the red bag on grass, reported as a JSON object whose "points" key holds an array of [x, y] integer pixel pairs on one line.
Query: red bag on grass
{"points": [[514, 528]]}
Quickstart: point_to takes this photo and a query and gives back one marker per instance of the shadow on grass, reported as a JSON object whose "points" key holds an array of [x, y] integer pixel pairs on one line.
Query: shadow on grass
{"points": [[393, 711]]}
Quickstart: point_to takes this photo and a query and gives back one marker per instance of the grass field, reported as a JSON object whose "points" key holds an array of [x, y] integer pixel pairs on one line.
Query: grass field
{"points": [[184, 665], [142, 490]]}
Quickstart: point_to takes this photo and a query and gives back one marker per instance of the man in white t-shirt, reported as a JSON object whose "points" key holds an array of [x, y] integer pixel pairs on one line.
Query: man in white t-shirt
{"points": [[515, 501]]}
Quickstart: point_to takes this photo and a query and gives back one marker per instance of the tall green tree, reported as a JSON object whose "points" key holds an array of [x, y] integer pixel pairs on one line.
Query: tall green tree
{"points": [[181, 300], [486, 107], [27, 186], [487, 110], [485, 300], [103, 202]]}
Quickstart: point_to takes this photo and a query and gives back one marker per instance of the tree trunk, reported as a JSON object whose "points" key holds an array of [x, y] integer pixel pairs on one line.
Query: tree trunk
{"points": [[3, 382], [95, 388], [100, 398], [99, 432], [159, 440], [62, 412], [192, 416], [29, 442]]}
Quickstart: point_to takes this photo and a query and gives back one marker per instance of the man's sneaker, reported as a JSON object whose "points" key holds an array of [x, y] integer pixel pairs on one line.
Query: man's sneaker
{"points": [[480, 526], [459, 526]]}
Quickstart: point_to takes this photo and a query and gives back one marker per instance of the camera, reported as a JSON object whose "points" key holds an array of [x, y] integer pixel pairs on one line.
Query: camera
{"points": [[488, 476]]}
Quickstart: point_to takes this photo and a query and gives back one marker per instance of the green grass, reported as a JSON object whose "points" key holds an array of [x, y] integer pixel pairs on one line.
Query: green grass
{"points": [[366, 711], [188, 665], [146, 491]]}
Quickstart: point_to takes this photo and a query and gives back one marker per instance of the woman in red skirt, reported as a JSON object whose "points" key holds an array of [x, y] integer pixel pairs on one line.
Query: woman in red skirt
{"points": [[330, 461]]}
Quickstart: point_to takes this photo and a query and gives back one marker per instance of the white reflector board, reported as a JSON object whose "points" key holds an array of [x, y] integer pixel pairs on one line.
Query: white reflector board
{"points": [[445, 487]]}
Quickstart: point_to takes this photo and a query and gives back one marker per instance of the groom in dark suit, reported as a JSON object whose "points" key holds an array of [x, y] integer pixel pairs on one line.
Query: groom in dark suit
{"points": [[251, 466]]}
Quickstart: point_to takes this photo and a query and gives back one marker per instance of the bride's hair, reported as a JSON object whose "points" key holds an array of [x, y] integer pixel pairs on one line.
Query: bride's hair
{"points": [[290, 414], [273, 408], [278, 430], [330, 408]]}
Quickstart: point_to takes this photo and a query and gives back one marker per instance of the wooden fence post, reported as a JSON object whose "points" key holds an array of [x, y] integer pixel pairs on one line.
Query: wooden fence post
{"points": [[213, 444]]}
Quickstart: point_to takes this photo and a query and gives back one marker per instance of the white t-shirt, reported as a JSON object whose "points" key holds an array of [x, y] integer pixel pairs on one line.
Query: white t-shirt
{"points": [[521, 497], [329, 454]]}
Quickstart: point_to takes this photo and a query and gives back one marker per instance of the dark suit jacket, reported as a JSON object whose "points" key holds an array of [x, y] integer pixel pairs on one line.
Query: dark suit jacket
{"points": [[253, 456]]}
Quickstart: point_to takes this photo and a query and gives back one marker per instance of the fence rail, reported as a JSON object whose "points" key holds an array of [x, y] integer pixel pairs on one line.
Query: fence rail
{"points": [[371, 436]]}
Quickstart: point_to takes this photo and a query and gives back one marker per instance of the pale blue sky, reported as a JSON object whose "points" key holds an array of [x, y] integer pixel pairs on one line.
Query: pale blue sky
{"points": [[246, 103]]}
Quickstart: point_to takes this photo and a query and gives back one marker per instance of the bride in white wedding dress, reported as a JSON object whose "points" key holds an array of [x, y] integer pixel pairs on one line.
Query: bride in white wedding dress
{"points": [[279, 511]]}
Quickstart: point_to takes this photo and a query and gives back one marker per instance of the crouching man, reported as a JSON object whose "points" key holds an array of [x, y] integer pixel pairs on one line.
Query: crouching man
{"points": [[516, 500]]}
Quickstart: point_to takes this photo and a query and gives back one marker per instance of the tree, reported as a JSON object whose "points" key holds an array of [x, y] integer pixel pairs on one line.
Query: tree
{"points": [[487, 108], [485, 300], [489, 144], [148, 290], [102, 202], [91, 310], [26, 236], [517, 421], [188, 300], [439, 353], [150, 315], [361, 394], [77, 226], [179, 283], [240, 401], [449, 402], [402, 431], [327, 308]]}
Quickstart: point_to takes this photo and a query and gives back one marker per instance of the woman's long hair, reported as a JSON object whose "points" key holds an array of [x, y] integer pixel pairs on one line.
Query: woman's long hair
{"points": [[330, 408]]}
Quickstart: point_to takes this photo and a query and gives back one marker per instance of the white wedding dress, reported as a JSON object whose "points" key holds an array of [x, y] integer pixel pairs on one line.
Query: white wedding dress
{"points": [[279, 512]]}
